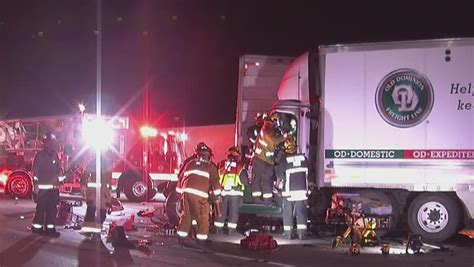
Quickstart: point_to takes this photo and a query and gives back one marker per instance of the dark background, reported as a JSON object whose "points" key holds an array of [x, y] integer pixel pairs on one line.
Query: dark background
{"points": [[48, 48]]}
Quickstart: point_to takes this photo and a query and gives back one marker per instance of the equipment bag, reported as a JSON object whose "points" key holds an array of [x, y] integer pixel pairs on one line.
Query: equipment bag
{"points": [[258, 241]]}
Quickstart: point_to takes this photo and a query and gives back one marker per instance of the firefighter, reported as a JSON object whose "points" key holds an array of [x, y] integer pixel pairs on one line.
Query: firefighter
{"points": [[252, 134], [172, 202], [194, 156], [232, 177], [46, 174], [263, 162], [254, 130], [292, 175], [98, 196], [199, 177]]}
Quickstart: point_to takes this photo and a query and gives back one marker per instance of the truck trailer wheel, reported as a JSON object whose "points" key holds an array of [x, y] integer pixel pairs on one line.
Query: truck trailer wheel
{"points": [[435, 217], [134, 187], [19, 185]]}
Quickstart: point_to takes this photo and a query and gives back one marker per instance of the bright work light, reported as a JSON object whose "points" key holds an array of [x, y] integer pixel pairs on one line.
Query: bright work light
{"points": [[97, 133]]}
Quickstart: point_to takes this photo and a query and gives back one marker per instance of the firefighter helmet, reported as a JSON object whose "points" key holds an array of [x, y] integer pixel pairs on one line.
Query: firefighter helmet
{"points": [[260, 118], [198, 147], [385, 249], [203, 150], [49, 137], [274, 117], [290, 145], [354, 249], [233, 153]]}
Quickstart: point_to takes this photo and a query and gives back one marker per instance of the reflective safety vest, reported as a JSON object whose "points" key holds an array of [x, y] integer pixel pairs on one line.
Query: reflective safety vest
{"points": [[266, 143], [229, 178], [293, 170], [197, 177]]}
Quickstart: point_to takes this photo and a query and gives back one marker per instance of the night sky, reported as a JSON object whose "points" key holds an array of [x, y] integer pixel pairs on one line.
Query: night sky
{"points": [[48, 48]]}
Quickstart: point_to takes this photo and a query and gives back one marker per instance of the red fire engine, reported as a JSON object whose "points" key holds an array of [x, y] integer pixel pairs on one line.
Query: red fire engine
{"points": [[138, 151]]}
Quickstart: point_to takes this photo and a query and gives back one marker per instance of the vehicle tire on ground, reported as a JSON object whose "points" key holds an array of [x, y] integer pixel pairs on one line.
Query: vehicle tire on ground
{"points": [[173, 207], [19, 185], [434, 216], [134, 187]]}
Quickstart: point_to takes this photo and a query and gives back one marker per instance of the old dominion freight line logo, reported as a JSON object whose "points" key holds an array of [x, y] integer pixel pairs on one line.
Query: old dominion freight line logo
{"points": [[404, 98]]}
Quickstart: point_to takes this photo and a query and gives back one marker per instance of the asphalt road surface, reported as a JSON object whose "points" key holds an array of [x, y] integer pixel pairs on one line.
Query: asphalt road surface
{"points": [[18, 247]]}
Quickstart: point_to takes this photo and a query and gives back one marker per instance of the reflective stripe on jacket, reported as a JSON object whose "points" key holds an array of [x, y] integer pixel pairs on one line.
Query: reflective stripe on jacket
{"points": [[46, 168], [293, 170], [266, 143], [198, 178], [229, 178]]}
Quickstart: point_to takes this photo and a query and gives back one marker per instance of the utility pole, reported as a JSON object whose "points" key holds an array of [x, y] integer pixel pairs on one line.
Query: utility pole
{"points": [[98, 100], [146, 108]]}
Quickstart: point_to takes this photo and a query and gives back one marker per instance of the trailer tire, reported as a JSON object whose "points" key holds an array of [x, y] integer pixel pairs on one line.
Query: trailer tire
{"points": [[19, 185], [434, 216], [173, 207], [134, 187]]}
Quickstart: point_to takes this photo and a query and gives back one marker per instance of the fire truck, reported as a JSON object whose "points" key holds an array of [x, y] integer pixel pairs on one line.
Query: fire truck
{"points": [[152, 160], [143, 158]]}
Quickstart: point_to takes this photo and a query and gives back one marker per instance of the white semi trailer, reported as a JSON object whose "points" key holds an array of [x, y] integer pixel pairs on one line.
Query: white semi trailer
{"points": [[393, 120]]}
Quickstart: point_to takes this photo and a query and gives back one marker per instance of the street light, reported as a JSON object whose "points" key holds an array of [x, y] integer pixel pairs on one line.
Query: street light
{"points": [[82, 108]]}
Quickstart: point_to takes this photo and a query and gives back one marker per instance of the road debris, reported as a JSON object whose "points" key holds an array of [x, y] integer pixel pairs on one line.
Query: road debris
{"points": [[467, 232]]}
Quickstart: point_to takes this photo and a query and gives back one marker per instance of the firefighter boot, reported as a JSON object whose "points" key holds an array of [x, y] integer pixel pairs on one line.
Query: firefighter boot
{"points": [[37, 230], [219, 231], [301, 234], [52, 233], [181, 239], [203, 242], [286, 235]]}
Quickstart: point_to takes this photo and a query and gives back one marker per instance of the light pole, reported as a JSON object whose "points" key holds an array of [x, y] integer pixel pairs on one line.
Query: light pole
{"points": [[98, 162], [146, 117]]}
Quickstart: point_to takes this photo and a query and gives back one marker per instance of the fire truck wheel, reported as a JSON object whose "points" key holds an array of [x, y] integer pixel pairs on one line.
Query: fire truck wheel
{"points": [[19, 185], [135, 189], [434, 216]]}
